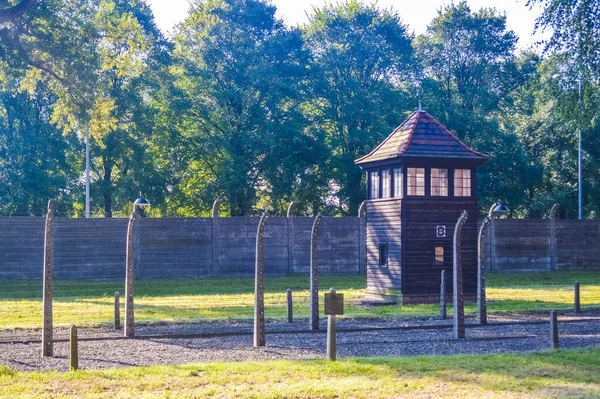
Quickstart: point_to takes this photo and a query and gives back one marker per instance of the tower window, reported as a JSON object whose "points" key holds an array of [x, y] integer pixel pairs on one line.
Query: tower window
{"points": [[439, 182], [398, 182], [374, 177], [383, 254], [462, 182], [415, 181], [385, 184], [438, 259]]}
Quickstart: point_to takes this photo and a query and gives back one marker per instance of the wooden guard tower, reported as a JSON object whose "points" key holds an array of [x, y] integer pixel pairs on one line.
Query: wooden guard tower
{"points": [[419, 180]]}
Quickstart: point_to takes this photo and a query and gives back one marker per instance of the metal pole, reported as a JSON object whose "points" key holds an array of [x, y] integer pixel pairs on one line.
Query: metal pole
{"points": [[580, 179], [87, 172], [331, 333], [579, 159], [331, 337]]}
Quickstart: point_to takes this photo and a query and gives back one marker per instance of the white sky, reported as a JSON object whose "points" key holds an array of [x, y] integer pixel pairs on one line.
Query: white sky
{"points": [[415, 13]]}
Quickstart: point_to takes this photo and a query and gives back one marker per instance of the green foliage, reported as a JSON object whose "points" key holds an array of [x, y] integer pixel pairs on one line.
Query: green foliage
{"points": [[35, 158], [239, 133], [97, 70], [469, 76], [239, 107], [575, 26], [360, 68]]}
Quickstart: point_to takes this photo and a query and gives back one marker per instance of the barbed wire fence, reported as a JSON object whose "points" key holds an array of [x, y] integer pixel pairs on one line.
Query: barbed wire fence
{"points": [[84, 287]]}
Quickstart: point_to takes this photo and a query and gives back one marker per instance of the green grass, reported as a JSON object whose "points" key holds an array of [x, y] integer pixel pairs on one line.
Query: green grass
{"points": [[91, 302], [563, 373]]}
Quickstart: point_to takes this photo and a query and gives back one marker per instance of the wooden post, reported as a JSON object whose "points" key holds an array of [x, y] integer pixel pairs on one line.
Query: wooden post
{"points": [[47, 338], [577, 300], [554, 329], [129, 330], [443, 296], [458, 299], [259, 288], [290, 309], [334, 305], [314, 276], [117, 310], [481, 298], [73, 350]]}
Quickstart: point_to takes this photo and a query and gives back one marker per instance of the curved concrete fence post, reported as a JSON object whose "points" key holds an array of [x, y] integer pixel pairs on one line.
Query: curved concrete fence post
{"points": [[47, 338], [129, 330], [259, 285], [459, 308], [314, 275]]}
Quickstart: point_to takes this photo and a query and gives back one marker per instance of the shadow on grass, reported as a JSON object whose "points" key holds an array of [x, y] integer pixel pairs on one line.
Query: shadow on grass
{"points": [[543, 280], [513, 372], [32, 289]]}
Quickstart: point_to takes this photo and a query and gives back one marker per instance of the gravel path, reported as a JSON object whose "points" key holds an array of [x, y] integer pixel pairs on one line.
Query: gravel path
{"points": [[293, 341]]}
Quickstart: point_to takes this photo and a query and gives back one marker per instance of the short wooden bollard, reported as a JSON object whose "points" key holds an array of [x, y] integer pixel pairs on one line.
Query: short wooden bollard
{"points": [[290, 309], [443, 296], [577, 300], [117, 310], [334, 305], [554, 329], [73, 351]]}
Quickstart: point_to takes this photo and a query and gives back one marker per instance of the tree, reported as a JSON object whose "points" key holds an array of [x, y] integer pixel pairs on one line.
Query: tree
{"points": [[35, 158], [469, 76], [549, 129], [239, 134], [132, 55], [575, 26], [360, 65], [99, 69]]}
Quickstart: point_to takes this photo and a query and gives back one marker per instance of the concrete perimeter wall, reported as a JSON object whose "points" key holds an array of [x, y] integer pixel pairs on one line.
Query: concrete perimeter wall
{"points": [[172, 248], [531, 245]]}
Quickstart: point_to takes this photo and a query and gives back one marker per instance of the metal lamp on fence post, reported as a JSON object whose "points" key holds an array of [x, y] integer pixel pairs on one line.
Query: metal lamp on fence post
{"points": [[497, 208], [139, 205]]}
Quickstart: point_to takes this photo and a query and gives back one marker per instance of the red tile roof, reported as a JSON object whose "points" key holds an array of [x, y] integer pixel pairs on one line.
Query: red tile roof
{"points": [[421, 135]]}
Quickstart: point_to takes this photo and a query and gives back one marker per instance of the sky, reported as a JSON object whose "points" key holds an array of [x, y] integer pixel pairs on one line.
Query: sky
{"points": [[415, 13]]}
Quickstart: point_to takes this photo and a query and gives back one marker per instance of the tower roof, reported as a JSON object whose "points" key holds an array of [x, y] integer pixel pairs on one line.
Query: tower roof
{"points": [[421, 136]]}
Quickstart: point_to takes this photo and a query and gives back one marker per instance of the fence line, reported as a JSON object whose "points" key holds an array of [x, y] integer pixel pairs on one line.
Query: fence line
{"points": [[177, 247]]}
